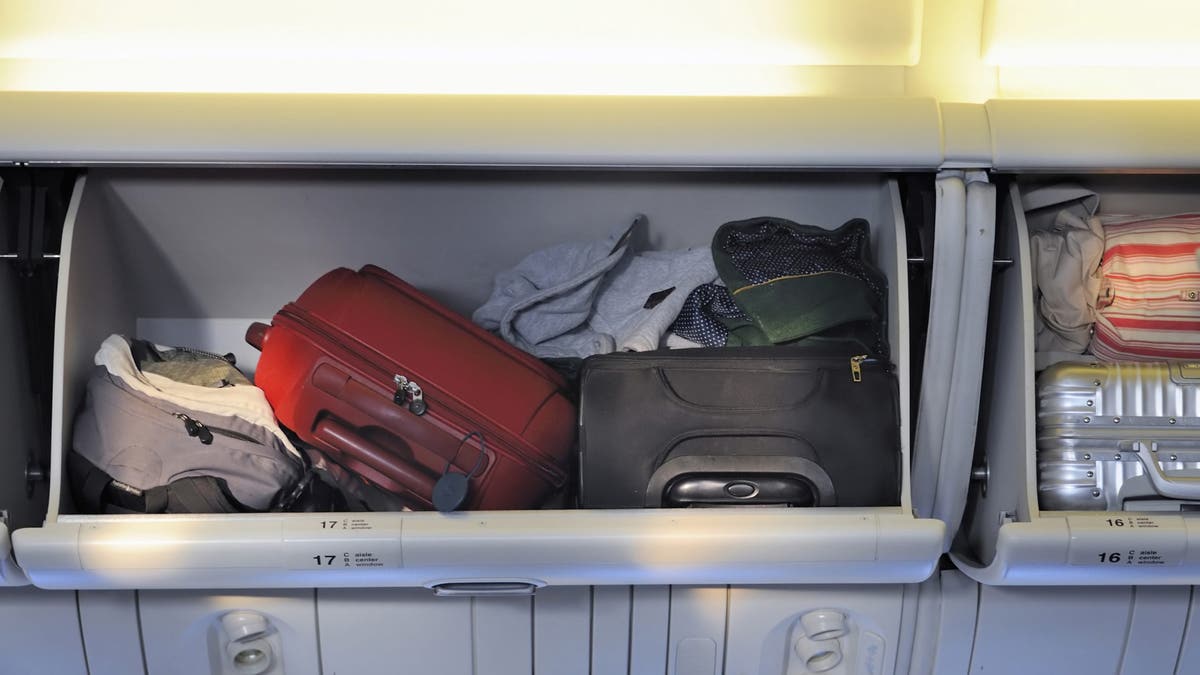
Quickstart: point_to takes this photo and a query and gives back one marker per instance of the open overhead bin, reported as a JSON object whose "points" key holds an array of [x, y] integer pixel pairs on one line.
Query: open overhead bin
{"points": [[1041, 512], [183, 229]]}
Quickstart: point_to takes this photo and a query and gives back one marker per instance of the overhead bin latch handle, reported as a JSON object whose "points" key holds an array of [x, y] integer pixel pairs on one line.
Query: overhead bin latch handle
{"points": [[458, 589], [1174, 485]]}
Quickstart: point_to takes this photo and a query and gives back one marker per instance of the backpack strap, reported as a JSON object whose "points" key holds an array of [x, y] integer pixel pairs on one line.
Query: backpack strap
{"points": [[198, 494], [90, 483], [97, 492]]}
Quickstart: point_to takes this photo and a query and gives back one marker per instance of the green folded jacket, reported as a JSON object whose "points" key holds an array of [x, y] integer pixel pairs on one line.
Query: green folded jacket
{"points": [[797, 281]]}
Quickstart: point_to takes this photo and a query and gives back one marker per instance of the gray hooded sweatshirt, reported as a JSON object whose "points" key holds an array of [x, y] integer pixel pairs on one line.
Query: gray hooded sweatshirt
{"points": [[580, 299]]}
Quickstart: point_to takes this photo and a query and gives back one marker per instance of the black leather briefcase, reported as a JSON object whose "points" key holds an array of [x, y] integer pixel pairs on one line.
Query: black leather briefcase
{"points": [[777, 426]]}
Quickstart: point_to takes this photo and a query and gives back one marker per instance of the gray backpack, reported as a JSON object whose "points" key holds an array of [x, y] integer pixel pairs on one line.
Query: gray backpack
{"points": [[174, 430]]}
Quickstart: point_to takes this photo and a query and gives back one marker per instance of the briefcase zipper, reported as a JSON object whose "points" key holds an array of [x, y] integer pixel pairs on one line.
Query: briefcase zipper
{"points": [[856, 366]]}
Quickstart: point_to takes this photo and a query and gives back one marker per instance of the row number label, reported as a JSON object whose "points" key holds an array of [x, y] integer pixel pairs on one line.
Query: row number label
{"points": [[1127, 540]]}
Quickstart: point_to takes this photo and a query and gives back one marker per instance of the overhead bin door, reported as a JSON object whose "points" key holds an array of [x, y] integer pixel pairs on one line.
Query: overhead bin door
{"points": [[15, 415], [192, 256], [1046, 513], [349, 129], [31, 215], [1041, 136], [962, 269]]}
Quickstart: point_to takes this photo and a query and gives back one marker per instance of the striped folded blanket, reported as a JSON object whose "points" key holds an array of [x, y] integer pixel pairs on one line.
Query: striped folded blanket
{"points": [[1149, 304]]}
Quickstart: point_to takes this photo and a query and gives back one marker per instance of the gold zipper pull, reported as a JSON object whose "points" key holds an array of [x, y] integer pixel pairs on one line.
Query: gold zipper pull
{"points": [[856, 367]]}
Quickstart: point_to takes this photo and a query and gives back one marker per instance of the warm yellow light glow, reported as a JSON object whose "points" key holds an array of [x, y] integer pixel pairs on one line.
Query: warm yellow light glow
{"points": [[1158, 33], [351, 77], [1094, 49], [1100, 83], [448, 46]]}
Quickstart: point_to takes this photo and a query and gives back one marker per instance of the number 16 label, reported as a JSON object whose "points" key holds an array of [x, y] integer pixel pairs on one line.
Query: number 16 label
{"points": [[1127, 540]]}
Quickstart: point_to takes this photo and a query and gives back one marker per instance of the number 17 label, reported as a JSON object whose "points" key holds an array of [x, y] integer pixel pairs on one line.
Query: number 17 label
{"points": [[360, 541]]}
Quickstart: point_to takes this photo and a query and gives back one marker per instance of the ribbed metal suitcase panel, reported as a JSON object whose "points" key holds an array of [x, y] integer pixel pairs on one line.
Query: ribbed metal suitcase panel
{"points": [[1091, 415], [1118, 389]]}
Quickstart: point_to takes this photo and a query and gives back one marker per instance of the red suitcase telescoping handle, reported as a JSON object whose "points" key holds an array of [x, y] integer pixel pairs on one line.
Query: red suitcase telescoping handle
{"points": [[373, 455]]}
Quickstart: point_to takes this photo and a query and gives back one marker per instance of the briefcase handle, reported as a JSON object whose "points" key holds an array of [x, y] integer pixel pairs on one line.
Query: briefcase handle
{"points": [[694, 480], [739, 489], [1172, 485]]}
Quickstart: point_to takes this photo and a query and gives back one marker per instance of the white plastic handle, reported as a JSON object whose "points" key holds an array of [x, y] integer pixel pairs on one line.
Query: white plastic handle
{"points": [[824, 624], [247, 648], [1173, 486], [819, 656]]}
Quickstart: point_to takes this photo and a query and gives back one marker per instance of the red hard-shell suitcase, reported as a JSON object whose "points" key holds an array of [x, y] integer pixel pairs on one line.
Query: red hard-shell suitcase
{"points": [[402, 391]]}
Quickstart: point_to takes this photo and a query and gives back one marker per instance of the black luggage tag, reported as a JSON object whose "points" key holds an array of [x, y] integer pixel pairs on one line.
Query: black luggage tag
{"points": [[451, 490]]}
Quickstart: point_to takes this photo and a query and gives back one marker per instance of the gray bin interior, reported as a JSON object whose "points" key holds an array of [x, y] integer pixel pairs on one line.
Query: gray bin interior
{"points": [[193, 256]]}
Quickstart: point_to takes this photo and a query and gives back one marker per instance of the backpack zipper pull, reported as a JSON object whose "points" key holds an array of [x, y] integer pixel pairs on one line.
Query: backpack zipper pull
{"points": [[196, 429], [856, 367]]}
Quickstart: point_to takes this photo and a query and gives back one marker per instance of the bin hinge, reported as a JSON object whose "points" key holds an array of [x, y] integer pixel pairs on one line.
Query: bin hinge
{"points": [[34, 474], [28, 237], [980, 475]]}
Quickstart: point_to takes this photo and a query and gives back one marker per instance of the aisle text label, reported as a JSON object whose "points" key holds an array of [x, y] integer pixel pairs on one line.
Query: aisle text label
{"points": [[352, 542], [1127, 540]]}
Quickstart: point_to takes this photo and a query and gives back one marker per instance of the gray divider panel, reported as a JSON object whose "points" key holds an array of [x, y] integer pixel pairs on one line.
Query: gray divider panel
{"points": [[562, 625], [696, 638], [649, 623], [611, 618], [111, 632], [1082, 630], [39, 632], [1156, 630]]}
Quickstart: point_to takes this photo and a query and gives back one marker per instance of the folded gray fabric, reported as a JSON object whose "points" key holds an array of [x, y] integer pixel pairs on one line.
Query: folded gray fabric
{"points": [[1066, 262], [576, 300], [1066, 242], [643, 294]]}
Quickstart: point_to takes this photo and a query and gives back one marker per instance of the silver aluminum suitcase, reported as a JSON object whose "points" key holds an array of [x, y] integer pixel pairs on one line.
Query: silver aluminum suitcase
{"points": [[1119, 436]]}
